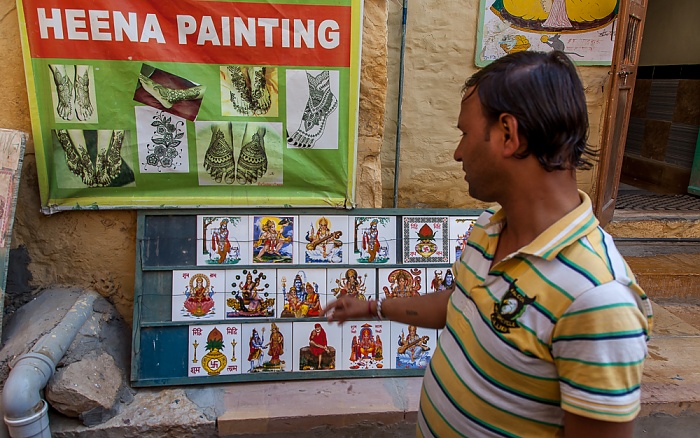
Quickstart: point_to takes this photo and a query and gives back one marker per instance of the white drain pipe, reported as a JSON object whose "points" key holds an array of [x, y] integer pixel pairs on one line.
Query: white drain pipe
{"points": [[26, 413]]}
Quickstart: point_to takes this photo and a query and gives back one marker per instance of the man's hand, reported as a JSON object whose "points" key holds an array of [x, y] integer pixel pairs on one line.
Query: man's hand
{"points": [[347, 307]]}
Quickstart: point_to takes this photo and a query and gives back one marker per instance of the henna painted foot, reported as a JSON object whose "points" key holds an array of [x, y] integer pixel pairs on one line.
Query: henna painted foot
{"points": [[83, 107], [260, 93], [218, 160], [64, 89], [240, 96], [319, 106], [168, 96], [252, 161]]}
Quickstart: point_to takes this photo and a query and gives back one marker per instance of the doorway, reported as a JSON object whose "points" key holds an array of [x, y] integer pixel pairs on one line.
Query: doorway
{"points": [[663, 131]]}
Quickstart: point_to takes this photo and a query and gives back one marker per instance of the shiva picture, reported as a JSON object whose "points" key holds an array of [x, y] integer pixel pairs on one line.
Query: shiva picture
{"points": [[268, 351], [302, 297]]}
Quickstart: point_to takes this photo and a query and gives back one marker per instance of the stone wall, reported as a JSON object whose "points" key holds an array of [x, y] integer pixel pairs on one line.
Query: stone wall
{"points": [[439, 57]]}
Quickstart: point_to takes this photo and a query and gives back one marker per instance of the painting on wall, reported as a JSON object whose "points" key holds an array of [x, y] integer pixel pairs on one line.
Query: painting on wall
{"points": [[585, 31]]}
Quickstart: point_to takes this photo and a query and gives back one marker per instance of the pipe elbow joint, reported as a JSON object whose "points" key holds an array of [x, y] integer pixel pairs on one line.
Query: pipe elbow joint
{"points": [[21, 394]]}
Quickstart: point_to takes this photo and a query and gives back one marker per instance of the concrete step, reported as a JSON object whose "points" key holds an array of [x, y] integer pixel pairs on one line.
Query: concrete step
{"points": [[667, 270], [387, 407]]}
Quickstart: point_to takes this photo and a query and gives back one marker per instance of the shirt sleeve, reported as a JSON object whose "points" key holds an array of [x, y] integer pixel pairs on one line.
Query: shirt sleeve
{"points": [[599, 346]]}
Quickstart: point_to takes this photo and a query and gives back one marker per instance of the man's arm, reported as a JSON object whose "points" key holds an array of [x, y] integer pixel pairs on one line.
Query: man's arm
{"points": [[576, 426], [427, 311]]}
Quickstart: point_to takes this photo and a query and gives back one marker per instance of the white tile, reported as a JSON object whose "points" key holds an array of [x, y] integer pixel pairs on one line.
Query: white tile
{"points": [[363, 345], [359, 282], [214, 350], [198, 295], [373, 239], [273, 239], [401, 282], [460, 228], [301, 293], [251, 292], [425, 239], [305, 359], [410, 350], [323, 239], [264, 354], [223, 240]]}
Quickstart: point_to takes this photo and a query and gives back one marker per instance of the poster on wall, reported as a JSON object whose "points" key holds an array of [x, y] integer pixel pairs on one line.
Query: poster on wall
{"points": [[145, 104], [584, 30]]}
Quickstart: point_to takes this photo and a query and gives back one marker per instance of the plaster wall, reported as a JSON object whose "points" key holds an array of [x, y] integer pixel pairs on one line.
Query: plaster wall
{"points": [[670, 32], [439, 57]]}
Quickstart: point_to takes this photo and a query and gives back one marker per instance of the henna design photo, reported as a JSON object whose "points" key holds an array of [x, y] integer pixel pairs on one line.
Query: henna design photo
{"points": [[73, 93], [168, 92], [312, 109], [95, 157], [249, 91]]}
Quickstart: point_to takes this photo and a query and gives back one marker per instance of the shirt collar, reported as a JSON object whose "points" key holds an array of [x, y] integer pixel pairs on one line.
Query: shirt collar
{"points": [[576, 224]]}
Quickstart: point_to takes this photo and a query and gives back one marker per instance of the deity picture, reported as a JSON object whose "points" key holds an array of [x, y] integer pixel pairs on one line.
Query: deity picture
{"points": [[221, 240], [269, 347], [460, 230], [302, 293], [374, 239], [315, 345], [273, 239], [197, 295], [252, 294], [363, 345], [397, 283], [352, 282], [411, 347], [323, 239]]}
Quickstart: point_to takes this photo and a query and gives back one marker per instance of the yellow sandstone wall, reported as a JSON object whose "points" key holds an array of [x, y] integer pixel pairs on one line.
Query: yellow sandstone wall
{"points": [[439, 57]]}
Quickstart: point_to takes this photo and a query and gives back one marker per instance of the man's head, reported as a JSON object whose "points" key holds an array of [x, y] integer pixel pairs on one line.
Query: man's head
{"points": [[543, 94]]}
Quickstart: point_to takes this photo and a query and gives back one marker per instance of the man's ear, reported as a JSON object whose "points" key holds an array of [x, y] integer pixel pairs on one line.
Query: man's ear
{"points": [[508, 127]]}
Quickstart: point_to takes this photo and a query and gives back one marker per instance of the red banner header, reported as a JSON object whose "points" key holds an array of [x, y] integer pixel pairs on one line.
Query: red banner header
{"points": [[198, 32]]}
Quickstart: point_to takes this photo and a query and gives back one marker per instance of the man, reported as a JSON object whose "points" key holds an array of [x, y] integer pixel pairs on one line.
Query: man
{"points": [[545, 332]]}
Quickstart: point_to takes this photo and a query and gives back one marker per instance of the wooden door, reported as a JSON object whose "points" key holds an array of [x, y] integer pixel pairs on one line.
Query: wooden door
{"points": [[628, 40]]}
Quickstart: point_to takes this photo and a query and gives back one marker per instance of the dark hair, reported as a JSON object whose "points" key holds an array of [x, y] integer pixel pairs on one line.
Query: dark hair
{"points": [[544, 93]]}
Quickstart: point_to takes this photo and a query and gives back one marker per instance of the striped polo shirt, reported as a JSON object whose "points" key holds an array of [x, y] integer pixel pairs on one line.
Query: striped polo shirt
{"points": [[559, 325]]}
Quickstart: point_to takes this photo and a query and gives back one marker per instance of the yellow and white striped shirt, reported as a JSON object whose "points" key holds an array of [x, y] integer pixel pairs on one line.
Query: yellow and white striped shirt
{"points": [[559, 325]]}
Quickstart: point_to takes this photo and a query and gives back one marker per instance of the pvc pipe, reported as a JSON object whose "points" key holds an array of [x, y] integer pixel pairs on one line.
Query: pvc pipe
{"points": [[26, 413]]}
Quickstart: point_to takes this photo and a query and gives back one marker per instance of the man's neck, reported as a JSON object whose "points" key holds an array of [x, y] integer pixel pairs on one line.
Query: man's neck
{"points": [[530, 212]]}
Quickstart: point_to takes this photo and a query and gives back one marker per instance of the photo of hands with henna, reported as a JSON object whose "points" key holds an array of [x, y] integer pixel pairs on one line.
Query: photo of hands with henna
{"points": [[428, 311]]}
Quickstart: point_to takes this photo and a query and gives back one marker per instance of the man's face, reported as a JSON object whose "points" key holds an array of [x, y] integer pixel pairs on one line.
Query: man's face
{"points": [[476, 149]]}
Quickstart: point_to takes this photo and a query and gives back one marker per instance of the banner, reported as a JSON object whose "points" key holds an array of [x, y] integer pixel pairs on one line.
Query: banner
{"points": [[144, 104], [584, 30]]}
